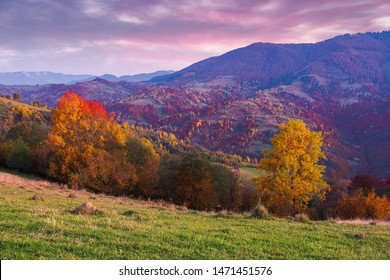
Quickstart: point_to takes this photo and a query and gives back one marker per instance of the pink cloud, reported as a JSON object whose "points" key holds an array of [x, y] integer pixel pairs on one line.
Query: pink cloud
{"points": [[160, 34]]}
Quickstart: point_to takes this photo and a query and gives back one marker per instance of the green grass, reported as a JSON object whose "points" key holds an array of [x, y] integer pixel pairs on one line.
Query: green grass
{"points": [[133, 229], [249, 171]]}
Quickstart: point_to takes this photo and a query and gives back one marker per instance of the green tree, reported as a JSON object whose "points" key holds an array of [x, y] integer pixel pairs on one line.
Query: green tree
{"points": [[292, 175], [16, 96], [32, 133], [194, 183], [227, 186], [20, 156], [146, 161]]}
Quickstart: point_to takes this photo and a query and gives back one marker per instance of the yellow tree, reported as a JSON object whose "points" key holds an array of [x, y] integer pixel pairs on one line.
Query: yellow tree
{"points": [[79, 129], [292, 175]]}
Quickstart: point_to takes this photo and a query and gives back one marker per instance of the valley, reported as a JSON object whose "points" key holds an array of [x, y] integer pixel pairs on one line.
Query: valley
{"points": [[234, 102]]}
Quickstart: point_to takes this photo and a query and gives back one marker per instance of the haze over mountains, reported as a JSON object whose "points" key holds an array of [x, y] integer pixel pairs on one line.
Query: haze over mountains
{"points": [[46, 77], [234, 102]]}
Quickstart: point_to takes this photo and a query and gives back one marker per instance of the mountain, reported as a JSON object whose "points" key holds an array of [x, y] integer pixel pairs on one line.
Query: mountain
{"points": [[35, 78], [340, 86], [42, 78], [144, 76], [134, 78], [98, 89], [234, 102], [359, 57]]}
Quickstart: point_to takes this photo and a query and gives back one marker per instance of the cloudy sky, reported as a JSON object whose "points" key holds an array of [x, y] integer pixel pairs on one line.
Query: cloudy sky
{"points": [[128, 36]]}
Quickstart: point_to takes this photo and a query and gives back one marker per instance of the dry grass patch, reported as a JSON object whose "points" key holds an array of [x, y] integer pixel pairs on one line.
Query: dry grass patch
{"points": [[301, 217], [363, 222], [88, 209], [27, 182], [72, 194], [37, 197]]}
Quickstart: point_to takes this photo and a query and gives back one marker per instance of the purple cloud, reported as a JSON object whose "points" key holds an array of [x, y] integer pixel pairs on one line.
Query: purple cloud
{"points": [[124, 37]]}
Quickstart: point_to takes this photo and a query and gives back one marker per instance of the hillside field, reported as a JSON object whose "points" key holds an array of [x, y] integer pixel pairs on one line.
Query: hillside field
{"points": [[16, 103], [249, 171], [135, 229]]}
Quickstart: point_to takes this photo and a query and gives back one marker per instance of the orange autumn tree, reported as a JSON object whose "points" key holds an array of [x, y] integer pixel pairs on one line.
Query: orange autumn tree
{"points": [[80, 131], [292, 175]]}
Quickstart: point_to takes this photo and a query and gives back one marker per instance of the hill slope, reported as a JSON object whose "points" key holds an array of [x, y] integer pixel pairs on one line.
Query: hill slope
{"points": [[131, 229]]}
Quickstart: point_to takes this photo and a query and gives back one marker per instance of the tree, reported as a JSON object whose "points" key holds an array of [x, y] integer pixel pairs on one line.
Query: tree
{"points": [[365, 182], [16, 96], [227, 186], [36, 103], [79, 128], [146, 161], [194, 183], [360, 206], [292, 175], [20, 156], [32, 133], [108, 173]]}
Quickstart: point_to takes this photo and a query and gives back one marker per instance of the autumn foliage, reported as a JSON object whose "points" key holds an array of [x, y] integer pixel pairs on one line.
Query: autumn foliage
{"points": [[83, 146], [109, 173], [194, 184], [80, 129], [292, 173], [360, 206], [89, 149]]}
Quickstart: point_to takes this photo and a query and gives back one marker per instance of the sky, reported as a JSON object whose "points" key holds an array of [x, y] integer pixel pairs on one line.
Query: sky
{"points": [[127, 37]]}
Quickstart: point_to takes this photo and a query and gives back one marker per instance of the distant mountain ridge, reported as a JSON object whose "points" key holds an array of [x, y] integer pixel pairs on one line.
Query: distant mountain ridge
{"points": [[43, 77], [143, 77], [363, 57], [47, 77]]}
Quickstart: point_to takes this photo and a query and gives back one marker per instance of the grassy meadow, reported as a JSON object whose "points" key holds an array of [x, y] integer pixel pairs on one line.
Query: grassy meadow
{"points": [[135, 229], [249, 171]]}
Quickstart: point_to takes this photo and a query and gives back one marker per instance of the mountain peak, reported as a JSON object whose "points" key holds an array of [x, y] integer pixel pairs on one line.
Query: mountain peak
{"points": [[267, 64]]}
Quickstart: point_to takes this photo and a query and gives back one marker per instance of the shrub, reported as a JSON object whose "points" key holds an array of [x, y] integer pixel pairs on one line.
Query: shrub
{"points": [[365, 182], [41, 160], [32, 133], [301, 217], [5, 147], [108, 173], [260, 212], [194, 184], [227, 186], [359, 206], [37, 197], [167, 174], [377, 207], [141, 154], [88, 209], [20, 157], [250, 198], [351, 207]]}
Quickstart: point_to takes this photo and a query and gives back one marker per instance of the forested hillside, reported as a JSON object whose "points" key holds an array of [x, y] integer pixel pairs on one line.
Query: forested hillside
{"points": [[80, 144], [234, 102]]}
